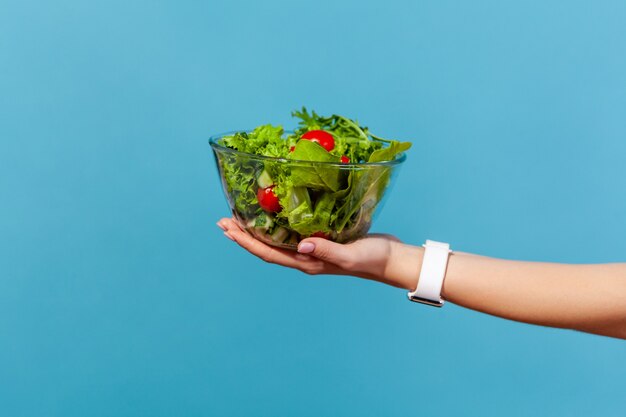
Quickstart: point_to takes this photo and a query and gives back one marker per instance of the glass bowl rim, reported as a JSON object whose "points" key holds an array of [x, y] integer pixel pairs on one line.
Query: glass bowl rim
{"points": [[216, 146]]}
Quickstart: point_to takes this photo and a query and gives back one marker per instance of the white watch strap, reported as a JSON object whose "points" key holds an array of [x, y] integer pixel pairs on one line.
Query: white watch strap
{"points": [[431, 276]]}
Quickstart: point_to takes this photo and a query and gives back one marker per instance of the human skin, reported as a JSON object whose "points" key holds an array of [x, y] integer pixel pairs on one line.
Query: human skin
{"points": [[588, 298]]}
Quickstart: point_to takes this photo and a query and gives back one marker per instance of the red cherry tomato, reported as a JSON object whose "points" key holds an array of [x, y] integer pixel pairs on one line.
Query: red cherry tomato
{"points": [[325, 139], [292, 148], [344, 159], [320, 234], [268, 200]]}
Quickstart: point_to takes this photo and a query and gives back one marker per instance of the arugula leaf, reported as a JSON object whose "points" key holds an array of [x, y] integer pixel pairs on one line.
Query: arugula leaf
{"points": [[350, 138]]}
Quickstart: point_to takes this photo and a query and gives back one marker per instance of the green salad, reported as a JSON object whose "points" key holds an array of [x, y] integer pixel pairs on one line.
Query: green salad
{"points": [[316, 180]]}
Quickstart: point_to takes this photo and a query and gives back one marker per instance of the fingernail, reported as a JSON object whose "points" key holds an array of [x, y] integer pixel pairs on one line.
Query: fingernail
{"points": [[229, 236], [220, 226], [306, 247]]}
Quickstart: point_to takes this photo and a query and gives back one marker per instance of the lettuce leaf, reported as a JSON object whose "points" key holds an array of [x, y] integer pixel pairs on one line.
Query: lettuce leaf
{"points": [[390, 152], [239, 179], [266, 140], [319, 177], [367, 186]]}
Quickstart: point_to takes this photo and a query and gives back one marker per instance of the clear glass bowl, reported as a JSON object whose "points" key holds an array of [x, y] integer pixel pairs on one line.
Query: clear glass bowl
{"points": [[345, 214]]}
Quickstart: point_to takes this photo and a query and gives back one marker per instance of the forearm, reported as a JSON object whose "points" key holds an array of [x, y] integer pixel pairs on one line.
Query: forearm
{"points": [[589, 298]]}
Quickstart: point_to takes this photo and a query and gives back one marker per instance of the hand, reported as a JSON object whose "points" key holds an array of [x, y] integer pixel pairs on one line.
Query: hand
{"points": [[377, 256]]}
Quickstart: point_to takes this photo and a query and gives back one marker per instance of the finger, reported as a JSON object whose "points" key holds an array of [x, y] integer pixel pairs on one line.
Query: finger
{"points": [[222, 223], [255, 246], [326, 267], [327, 251], [274, 255], [305, 263], [230, 225]]}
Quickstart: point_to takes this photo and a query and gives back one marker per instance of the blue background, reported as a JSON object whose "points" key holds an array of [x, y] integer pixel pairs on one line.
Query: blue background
{"points": [[120, 297]]}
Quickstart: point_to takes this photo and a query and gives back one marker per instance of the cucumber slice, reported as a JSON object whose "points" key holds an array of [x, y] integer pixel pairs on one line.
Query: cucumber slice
{"points": [[280, 234], [265, 180], [263, 221]]}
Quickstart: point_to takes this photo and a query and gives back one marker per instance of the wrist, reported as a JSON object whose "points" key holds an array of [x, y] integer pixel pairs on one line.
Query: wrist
{"points": [[405, 262]]}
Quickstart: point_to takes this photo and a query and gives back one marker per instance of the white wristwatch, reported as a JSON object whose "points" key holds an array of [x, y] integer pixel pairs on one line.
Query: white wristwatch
{"points": [[432, 274]]}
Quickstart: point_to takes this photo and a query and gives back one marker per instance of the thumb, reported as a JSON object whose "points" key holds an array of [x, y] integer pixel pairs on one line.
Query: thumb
{"points": [[325, 250]]}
